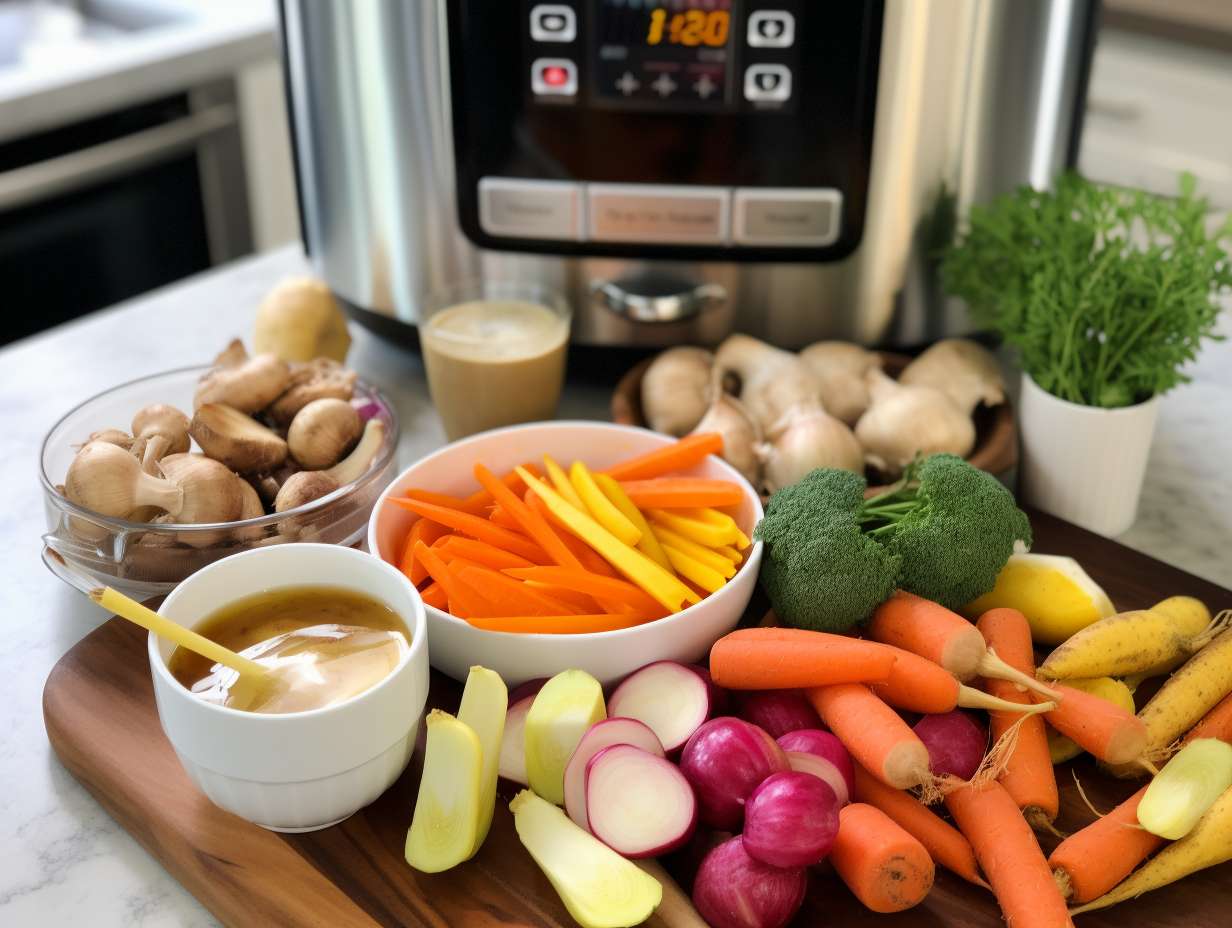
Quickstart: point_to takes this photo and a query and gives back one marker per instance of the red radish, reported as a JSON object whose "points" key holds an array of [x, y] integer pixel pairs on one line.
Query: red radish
{"points": [[599, 736], [638, 803], [725, 760], [777, 711], [790, 820], [513, 743], [956, 743], [671, 698], [734, 890], [820, 753], [718, 695]]}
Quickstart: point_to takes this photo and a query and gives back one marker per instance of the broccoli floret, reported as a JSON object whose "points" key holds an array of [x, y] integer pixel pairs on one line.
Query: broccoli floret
{"points": [[953, 526], [819, 569]]}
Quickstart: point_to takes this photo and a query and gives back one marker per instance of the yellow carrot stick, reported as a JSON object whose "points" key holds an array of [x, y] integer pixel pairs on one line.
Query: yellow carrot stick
{"points": [[721, 519], [560, 480], [648, 544], [638, 568], [704, 533], [690, 568], [600, 507], [731, 554], [699, 553]]}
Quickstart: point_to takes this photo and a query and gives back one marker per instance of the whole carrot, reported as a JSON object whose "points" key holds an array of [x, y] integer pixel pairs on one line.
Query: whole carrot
{"points": [[916, 684], [1009, 855], [886, 868], [926, 628], [790, 658], [1090, 862], [872, 733], [944, 843], [1028, 775], [1215, 724], [1099, 727]]}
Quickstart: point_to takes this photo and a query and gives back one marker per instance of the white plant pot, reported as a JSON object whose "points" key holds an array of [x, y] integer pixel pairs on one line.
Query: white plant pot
{"points": [[1084, 464]]}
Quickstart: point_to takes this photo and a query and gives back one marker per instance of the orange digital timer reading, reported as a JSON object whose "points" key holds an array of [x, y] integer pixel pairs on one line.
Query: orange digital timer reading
{"points": [[690, 28]]}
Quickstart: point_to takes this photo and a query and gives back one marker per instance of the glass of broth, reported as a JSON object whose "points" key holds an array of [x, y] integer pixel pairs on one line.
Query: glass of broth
{"points": [[494, 354]]}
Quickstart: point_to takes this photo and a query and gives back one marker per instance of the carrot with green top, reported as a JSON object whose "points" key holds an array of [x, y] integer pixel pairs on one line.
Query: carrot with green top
{"points": [[1092, 861], [685, 453], [558, 624], [791, 658], [647, 543], [584, 582], [871, 732], [478, 528], [916, 684], [682, 492]]}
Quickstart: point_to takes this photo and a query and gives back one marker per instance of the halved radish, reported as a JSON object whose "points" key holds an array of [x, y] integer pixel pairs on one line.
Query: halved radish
{"points": [[637, 803], [513, 742], [602, 735], [823, 755], [671, 698]]}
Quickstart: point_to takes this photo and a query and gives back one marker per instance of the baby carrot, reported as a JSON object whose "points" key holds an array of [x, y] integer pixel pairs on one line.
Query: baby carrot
{"points": [[930, 630], [558, 624], [434, 595], [789, 658], [683, 454], [647, 544], [444, 499], [1090, 862], [507, 593], [482, 497], [476, 527], [600, 507], [482, 553], [1028, 775], [1009, 855], [682, 492], [1215, 724], [584, 582], [1097, 726], [424, 530], [944, 843], [872, 733], [885, 867]]}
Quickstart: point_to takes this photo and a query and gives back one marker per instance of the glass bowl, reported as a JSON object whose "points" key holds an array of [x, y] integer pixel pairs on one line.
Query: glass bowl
{"points": [[145, 559]]}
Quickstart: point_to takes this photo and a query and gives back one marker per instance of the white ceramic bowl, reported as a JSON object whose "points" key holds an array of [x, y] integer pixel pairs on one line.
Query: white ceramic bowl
{"points": [[303, 770], [455, 645]]}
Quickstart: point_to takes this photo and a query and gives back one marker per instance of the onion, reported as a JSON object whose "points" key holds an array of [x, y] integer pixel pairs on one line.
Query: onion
{"points": [[823, 755], [956, 743], [733, 890], [671, 698], [637, 803], [366, 408], [724, 761], [790, 820], [778, 711], [601, 735], [512, 764]]}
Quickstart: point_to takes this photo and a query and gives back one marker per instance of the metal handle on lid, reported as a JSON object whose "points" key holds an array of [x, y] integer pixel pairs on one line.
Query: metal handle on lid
{"points": [[664, 307]]}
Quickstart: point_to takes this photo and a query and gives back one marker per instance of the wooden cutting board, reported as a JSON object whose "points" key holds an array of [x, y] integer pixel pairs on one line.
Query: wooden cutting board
{"points": [[98, 707]]}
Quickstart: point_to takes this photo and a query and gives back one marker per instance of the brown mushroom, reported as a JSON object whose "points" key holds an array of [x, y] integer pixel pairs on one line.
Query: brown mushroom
{"points": [[308, 485], [235, 439], [323, 432], [108, 480], [162, 430], [316, 380], [211, 493]]}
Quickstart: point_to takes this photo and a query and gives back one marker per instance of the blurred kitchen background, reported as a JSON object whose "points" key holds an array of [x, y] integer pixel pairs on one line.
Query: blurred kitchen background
{"points": [[142, 141]]}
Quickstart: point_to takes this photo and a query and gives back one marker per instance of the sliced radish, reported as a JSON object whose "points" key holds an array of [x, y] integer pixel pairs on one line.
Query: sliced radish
{"points": [[671, 698], [637, 803], [823, 755], [599, 736], [718, 696], [513, 742]]}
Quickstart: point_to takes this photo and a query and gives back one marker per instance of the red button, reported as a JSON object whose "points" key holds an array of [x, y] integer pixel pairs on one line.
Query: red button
{"points": [[555, 76]]}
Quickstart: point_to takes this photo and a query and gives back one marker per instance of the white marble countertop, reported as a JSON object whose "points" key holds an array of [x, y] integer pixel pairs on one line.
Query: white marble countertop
{"points": [[62, 858]]}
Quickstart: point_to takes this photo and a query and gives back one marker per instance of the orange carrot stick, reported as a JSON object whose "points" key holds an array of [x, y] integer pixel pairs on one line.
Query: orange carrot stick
{"points": [[501, 516], [1097, 726], [944, 843], [507, 594], [577, 602], [444, 499], [930, 630], [1009, 855], [424, 530], [476, 527], [482, 553], [1215, 724], [464, 601], [531, 521], [789, 658], [681, 493], [1028, 775], [558, 624], [886, 868], [585, 582], [482, 497], [434, 595], [683, 454], [872, 733], [1090, 862]]}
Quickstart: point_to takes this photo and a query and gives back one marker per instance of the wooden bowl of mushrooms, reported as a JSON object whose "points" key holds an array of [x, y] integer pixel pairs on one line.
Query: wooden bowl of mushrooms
{"points": [[152, 480], [834, 404]]}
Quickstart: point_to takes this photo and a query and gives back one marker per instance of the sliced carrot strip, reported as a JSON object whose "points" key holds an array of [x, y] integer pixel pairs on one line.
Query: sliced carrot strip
{"points": [[424, 530], [434, 596], [704, 533], [560, 480], [702, 575], [682, 492], [578, 602], [464, 602], [532, 521], [510, 594], [444, 499], [558, 624], [476, 527], [502, 517], [584, 582], [685, 453], [700, 553], [482, 497], [647, 544], [482, 553]]}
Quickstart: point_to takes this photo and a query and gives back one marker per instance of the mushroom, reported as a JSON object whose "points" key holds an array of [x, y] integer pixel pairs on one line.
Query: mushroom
{"points": [[840, 368], [234, 354], [323, 432], [676, 389], [162, 430], [108, 480], [906, 420], [741, 434], [248, 386], [772, 381], [117, 437], [309, 485], [251, 507], [963, 370], [304, 487], [318, 379], [237, 440], [211, 493], [300, 320]]}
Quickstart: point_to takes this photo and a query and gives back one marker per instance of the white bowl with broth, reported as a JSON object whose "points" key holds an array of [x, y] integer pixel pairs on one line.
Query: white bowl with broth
{"points": [[455, 645], [306, 770]]}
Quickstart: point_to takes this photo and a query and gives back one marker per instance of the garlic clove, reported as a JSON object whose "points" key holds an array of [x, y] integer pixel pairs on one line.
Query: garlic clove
{"points": [[840, 368], [967, 372], [248, 386], [323, 432], [806, 438], [356, 464], [320, 378], [904, 421], [772, 381], [237, 440], [741, 434], [676, 389]]}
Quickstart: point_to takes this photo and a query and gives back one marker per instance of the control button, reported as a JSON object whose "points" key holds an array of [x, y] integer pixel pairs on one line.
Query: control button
{"points": [[554, 77], [786, 216], [654, 213], [664, 85], [628, 84], [546, 209], [771, 29], [704, 86], [767, 83], [553, 22]]}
